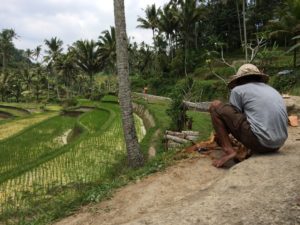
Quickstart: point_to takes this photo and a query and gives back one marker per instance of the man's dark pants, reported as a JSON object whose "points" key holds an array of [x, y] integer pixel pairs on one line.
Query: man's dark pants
{"points": [[236, 123]]}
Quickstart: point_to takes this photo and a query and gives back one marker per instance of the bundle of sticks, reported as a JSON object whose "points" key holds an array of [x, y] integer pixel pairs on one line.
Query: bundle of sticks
{"points": [[174, 139]]}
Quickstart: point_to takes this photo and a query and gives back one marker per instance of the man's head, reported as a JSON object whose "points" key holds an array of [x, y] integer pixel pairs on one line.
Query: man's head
{"points": [[247, 73]]}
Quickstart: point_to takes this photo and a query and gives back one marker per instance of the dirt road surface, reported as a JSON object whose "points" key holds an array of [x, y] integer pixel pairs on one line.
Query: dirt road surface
{"points": [[264, 190]]}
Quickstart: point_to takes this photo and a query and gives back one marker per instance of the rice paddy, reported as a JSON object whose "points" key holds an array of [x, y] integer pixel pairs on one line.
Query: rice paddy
{"points": [[45, 163], [12, 127]]}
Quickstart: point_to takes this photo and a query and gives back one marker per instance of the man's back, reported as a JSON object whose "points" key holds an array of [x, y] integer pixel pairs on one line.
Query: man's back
{"points": [[265, 111]]}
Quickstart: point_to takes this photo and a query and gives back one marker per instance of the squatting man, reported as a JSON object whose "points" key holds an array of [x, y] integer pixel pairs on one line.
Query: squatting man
{"points": [[255, 115]]}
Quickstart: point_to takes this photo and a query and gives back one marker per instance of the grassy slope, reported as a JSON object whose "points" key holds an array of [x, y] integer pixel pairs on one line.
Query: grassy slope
{"points": [[87, 160], [80, 164], [12, 127]]}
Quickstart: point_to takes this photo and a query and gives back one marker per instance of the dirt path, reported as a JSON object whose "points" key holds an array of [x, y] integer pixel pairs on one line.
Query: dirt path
{"points": [[264, 189]]}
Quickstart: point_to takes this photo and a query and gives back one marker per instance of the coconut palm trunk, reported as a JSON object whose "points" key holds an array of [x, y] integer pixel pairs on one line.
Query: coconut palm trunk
{"points": [[135, 157]]}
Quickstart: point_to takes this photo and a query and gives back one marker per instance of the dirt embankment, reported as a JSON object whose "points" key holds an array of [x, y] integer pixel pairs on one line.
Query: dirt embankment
{"points": [[264, 189]]}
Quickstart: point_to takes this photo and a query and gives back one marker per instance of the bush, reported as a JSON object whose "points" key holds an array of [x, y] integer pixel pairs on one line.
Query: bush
{"points": [[53, 99], [206, 90], [137, 83], [268, 56], [96, 96], [177, 110], [69, 102], [283, 83]]}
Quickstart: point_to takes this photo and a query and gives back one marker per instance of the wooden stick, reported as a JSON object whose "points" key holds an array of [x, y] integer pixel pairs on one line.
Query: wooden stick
{"points": [[174, 133], [176, 139], [191, 133]]}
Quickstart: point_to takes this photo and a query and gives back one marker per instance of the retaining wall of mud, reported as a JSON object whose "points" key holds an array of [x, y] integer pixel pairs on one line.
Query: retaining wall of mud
{"points": [[144, 113], [15, 108], [5, 115]]}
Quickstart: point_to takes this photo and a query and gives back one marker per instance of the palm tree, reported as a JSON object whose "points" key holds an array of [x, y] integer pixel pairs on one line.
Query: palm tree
{"points": [[4, 80], [6, 45], [15, 85], [27, 77], [66, 68], [287, 23], [86, 54], [28, 54], [151, 20], [107, 49], [54, 50], [37, 52], [168, 22], [135, 157], [190, 14]]}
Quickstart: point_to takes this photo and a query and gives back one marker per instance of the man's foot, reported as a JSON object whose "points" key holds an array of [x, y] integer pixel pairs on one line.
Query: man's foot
{"points": [[220, 162]]}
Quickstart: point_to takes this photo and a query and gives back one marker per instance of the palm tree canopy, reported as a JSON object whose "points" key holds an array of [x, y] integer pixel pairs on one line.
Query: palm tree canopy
{"points": [[168, 19], [6, 38], [107, 48], [87, 56], [151, 19], [54, 48], [37, 52]]}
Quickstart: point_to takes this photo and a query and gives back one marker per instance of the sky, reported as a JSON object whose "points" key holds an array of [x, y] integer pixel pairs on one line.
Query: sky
{"points": [[69, 20]]}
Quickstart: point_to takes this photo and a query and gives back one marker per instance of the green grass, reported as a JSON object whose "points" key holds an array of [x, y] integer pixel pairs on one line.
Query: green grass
{"points": [[33, 107], [52, 176], [86, 170], [13, 126], [110, 98], [201, 123], [27, 150], [94, 120], [14, 112]]}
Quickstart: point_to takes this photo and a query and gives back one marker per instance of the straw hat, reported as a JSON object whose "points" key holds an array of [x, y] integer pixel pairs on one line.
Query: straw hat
{"points": [[247, 70]]}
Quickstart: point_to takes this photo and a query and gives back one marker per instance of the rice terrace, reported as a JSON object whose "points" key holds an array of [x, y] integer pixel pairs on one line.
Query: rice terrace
{"points": [[55, 155], [149, 112]]}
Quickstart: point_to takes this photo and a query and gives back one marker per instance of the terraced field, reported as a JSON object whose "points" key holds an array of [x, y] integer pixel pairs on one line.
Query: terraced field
{"points": [[52, 160], [9, 128]]}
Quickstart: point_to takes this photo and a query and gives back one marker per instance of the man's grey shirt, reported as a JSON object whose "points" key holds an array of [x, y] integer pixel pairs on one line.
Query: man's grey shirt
{"points": [[265, 110]]}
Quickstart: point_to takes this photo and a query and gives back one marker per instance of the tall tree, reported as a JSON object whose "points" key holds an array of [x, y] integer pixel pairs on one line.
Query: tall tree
{"points": [[87, 57], [37, 52], [190, 15], [54, 46], [67, 69], [6, 45], [4, 84], [168, 23], [150, 21], [287, 23], [107, 49], [135, 157]]}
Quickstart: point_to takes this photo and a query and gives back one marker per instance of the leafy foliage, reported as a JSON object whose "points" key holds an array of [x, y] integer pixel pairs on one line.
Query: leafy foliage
{"points": [[177, 110]]}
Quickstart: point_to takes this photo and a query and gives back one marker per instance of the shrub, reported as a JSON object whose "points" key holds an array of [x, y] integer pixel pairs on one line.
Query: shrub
{"points": [[69, 102], [283, 83], [177, 110], [268, 55], [96, 96], [206, 90], [137, 83]]}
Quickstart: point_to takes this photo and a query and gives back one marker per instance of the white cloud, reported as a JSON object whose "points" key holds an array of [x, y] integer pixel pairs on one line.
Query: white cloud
{"points": [[70, 20]]}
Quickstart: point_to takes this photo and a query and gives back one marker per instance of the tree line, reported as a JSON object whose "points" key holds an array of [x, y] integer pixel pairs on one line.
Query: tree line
{"points": [[184, 33]]}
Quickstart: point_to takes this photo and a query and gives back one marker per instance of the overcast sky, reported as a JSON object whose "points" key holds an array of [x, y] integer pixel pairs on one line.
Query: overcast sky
{"points": [[70, 20]]}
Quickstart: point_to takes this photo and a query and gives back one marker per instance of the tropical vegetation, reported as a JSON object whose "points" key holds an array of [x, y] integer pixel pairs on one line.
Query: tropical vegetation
{"points": [[63, 130]]}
